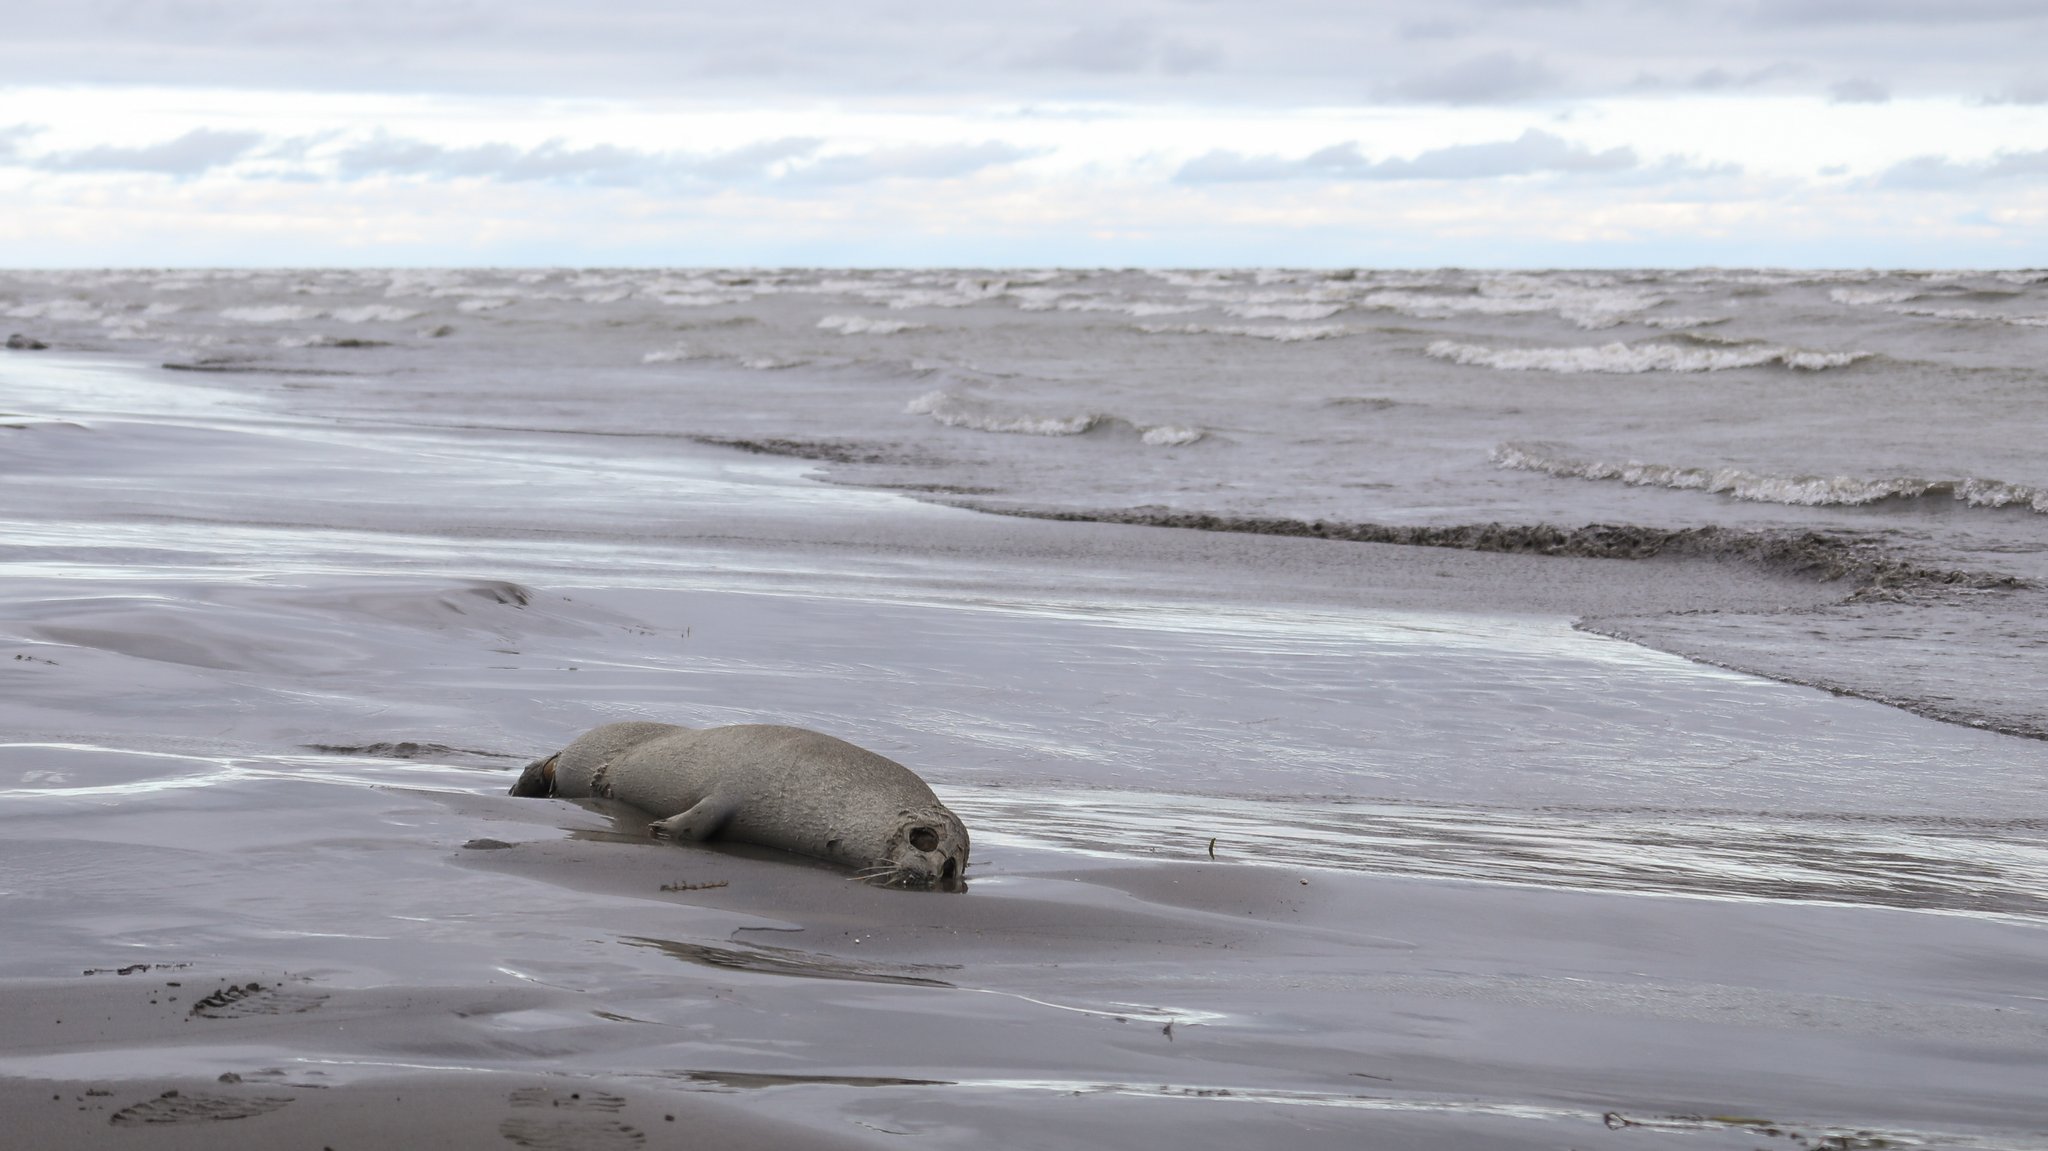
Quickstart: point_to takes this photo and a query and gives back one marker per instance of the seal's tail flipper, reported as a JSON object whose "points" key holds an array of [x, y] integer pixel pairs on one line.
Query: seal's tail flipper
{"points": [[538, 780]]}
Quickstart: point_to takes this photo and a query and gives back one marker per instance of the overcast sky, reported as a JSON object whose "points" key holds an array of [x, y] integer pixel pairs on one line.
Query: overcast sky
{"points": [[1112, 132]]}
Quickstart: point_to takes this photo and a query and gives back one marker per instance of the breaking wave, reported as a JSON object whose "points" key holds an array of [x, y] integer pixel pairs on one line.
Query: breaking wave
{"points": [[1297, 312], [1868, 296], [384, 313], [1588, 306], [1626, 358], [981, 415], [1804, 491], [864, 326], [270, 314], [1283, 333]]}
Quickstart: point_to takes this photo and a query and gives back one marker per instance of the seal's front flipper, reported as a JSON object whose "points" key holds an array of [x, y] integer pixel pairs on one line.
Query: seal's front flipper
{"points": [[705, 819]]}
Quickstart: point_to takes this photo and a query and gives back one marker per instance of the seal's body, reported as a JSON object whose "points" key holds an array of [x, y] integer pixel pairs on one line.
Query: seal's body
{"points": [[776, 786]]}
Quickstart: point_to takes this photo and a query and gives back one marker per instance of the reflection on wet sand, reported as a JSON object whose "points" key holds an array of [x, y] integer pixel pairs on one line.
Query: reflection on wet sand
{"points": [[1964, 866]]}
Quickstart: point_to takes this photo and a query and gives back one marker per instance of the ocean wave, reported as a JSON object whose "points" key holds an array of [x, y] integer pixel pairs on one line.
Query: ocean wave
{"points": [[963, 293], [1679, 321], [1138, 308], [1863, 297], [865, 326], [1970, 314], [1590, 305], [673, 354], [982, 415], [1284, 333], [382, 313], [2029, 276], [270, 314], [698, 299], [1296, 312], [1171, 436], [480, 304], [1762, 487], [1629, 358], [958, 411]]}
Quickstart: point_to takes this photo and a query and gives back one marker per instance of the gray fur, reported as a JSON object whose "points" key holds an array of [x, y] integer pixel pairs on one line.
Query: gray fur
{"points": [[781, 787]]}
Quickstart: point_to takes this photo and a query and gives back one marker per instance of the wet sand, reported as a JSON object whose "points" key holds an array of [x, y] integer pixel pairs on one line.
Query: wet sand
{"points": [[504, 984]]}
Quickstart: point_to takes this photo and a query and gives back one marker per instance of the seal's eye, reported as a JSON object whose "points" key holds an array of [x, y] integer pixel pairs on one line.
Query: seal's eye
{"points": [[924, 839]]}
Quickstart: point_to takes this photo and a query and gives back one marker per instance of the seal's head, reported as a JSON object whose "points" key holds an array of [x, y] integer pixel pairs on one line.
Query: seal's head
{"points": [[927, 851], [538, 780]]}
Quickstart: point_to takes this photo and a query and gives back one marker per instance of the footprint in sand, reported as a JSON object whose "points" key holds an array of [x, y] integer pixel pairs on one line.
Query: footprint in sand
{"points": [[572, 1121], [185, 1107], [237, 1001]]}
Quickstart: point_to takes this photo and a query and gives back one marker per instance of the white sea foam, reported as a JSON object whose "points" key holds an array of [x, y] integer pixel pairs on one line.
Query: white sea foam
{"points": [[270, 314], [2031, 276], [865, 326], [1864, 297], [1737, 483], [674, 353], [1139, 308], [984, 415], [701, 299], [1625, 358], [1586, 307], [380, 313], [62, 311], [1171, 436], [957, 411], [1296, 312], [1969, 314], [484, 304], [162, 308], [1284, 333], [1679, 321]]}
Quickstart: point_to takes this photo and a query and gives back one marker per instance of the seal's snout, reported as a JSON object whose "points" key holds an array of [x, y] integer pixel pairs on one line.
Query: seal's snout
{"points": [[538, 780]]}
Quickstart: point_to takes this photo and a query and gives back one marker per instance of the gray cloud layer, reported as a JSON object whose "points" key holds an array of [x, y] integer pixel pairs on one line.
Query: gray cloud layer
{"points": [[791, 161], [188, 155], [1267, 51], [1940, 172], [1533, 152]]}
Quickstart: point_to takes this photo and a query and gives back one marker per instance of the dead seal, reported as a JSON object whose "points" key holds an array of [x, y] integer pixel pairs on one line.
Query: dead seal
{"points": [[781, 787]]}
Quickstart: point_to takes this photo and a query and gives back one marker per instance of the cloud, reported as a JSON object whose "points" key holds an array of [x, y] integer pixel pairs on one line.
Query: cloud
{"points": [[793, 160], [1181, 53], [1532, 153], [1870, 12], [2024, 92], [1940, 172], [1860, 91], [1499, 77], [1124, 48], [188, 155], [935, 162], [394, 156], [1718, 79], [12, 136]]}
